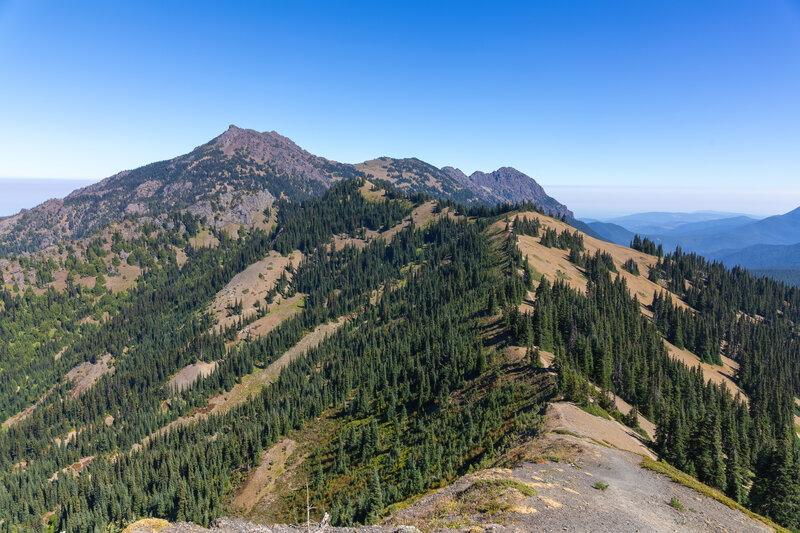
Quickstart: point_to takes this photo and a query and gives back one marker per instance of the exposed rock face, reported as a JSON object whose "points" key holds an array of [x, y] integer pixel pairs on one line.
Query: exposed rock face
{"points": [[458, 176], [270, 147], [234, 208], [505, 185]]}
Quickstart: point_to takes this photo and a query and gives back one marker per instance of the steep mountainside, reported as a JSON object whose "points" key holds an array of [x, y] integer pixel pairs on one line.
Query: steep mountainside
{"points": [[789, 275], [612, 232], [670, 231], [240, 173], [660, 222], [376, 347], [771, 245]]}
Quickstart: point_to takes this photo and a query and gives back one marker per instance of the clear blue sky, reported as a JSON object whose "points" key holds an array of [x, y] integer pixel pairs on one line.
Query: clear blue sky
{"points": [[685, 95]]}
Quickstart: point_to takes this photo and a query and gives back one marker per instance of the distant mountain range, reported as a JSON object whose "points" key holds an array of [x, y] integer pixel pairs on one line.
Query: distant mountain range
{"points": [[246, 170], [771, 245], [660, 222]]}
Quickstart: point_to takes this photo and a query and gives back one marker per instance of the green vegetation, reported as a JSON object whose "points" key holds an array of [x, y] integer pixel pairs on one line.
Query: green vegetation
{"points": [[565, 240], [526, 226], [506, 483], [388, 371], [646, 246], [676, 503], [491, 496], [631, 266], [419, 395], [567, 432], [599, 485]]}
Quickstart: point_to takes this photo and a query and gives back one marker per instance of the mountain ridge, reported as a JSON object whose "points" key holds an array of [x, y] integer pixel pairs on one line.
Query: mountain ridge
{"points": [[245, 163]]}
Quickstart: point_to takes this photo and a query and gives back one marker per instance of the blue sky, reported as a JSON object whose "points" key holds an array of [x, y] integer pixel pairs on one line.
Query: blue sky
{"points": [[589, 98]]}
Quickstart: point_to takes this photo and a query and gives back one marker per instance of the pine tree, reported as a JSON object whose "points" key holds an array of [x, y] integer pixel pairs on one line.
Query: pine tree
{"points": [[776, 490], [375, 497], [734, 477]]}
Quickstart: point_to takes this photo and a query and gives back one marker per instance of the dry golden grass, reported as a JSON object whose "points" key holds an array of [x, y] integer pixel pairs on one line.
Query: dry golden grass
{"points": [[553, 264], [252, 384], [279, 312], [204, 239], [717, 374], [261, 481]]}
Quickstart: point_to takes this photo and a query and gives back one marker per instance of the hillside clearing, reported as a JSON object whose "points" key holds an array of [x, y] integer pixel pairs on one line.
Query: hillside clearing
{"points": [[716, 374], [554, 264], [279, 312], [25, 413], [567, 416], [86, 374], [623, 406], [186, 376], [249, 286]]}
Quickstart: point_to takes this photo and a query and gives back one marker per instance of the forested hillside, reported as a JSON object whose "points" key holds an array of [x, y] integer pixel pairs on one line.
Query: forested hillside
{"points": [[426, 340]]}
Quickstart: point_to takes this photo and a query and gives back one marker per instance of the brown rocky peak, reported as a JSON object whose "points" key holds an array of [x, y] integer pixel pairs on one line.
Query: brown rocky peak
{"points": [[260, 145], [270, 147]]}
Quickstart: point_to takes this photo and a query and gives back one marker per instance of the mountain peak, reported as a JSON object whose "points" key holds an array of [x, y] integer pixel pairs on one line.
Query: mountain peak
{"points": [[260, 145], [510, 185], [272, 148]]}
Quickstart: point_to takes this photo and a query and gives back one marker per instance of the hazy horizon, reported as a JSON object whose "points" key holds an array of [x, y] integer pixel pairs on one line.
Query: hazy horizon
{"points": [[586, 201]]}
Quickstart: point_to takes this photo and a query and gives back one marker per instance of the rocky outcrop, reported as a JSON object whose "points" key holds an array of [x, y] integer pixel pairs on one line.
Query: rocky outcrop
{"points": [[232, 208]]}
